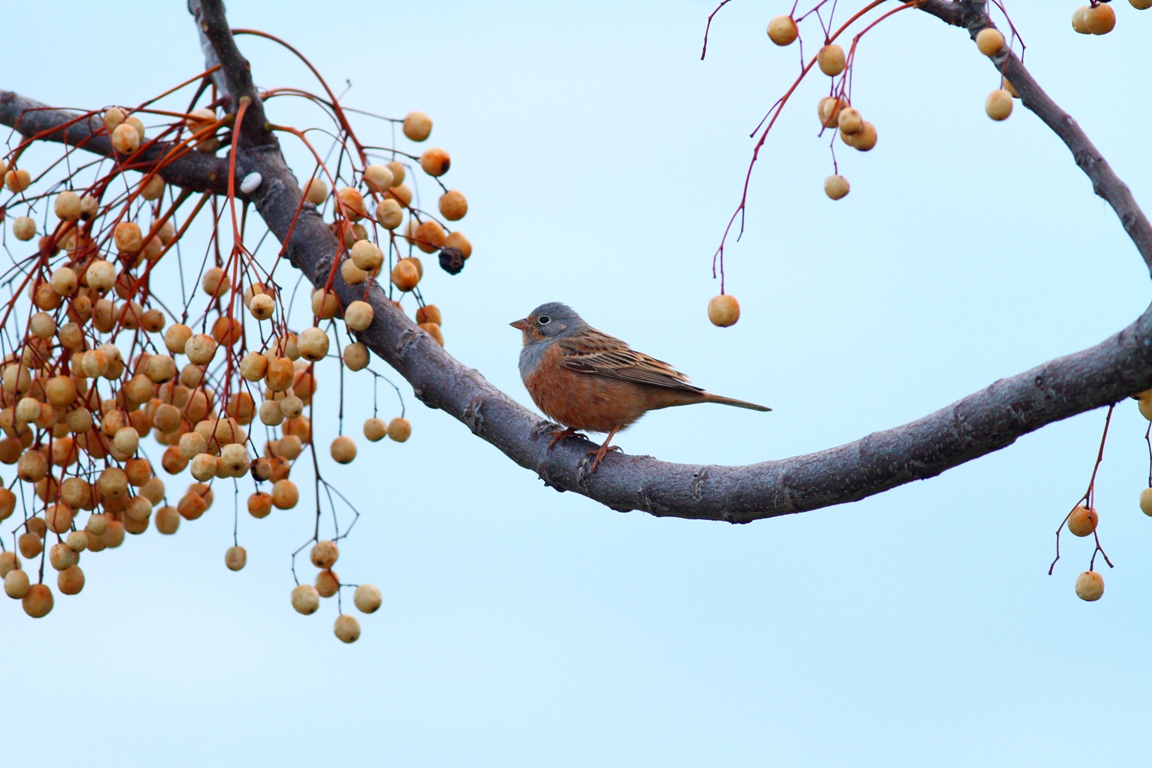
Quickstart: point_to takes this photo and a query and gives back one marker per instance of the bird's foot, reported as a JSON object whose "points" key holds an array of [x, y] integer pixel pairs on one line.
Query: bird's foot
{"points": [[600, 453], [563, 433]]}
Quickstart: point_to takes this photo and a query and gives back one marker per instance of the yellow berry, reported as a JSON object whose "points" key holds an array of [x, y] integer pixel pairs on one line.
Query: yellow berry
{"points": [[1100, 19], [358, 315]]}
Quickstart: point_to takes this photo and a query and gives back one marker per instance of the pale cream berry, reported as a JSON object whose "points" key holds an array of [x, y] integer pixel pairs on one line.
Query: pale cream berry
{"points": [[389, 213], [379, 178], [399, 429], [316, 191], [285, 495], [398, 172], [235, 558], [358, 315], [356, 356], [200, 349], [305, 599], [863, 140], [375, 429], [235, 457], [1082, 521], [61, 556], [351, 273], [100, 275], [782, 30], [126, 440], [203, 467], [435, 162], [291, 407], [366, 255], [347, 628], [831, 59], [990, 41], [67, 206], [1078, 20], [24, 228], [417, 126], [836, 186], [153, 189], [176, 338], [16, 583], [113, 116], [1089, 586], [324, 554], [77, 541], [128, 237], [367, 598], [253, 366], [312, 344], [17, 180], [998, 105], [125, 139], [723, 310], [828, 110], [343, 449], [64, 281]]}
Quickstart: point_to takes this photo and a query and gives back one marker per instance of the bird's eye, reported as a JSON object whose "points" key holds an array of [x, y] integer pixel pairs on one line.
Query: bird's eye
{"points": [[543, 320]]}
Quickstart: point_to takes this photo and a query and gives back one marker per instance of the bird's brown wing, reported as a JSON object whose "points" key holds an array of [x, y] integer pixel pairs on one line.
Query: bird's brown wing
{"points": [[594, 352]]}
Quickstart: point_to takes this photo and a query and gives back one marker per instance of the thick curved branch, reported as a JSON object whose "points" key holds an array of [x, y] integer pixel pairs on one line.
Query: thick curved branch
{"points": [[979, 424], [35, 121]]}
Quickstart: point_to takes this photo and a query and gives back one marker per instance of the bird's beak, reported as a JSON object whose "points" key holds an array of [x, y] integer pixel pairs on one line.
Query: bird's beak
{"points": [[521, 325]]}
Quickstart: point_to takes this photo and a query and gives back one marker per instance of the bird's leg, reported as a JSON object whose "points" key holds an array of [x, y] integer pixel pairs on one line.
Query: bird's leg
{"points": [[600, 454]]}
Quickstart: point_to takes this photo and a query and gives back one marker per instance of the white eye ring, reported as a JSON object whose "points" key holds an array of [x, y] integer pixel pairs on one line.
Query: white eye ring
{"points": [[543, 320]]}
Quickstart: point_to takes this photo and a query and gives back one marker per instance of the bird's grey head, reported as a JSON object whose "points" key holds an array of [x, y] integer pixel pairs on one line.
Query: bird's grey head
{"points": [[550, 321]]}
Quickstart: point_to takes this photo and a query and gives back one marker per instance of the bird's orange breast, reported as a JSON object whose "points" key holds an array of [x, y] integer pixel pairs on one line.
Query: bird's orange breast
{"points": [[583, 401]]}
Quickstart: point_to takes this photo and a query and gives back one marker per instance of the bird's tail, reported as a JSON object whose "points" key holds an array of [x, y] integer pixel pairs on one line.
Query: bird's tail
{"points": [[711, 398]]}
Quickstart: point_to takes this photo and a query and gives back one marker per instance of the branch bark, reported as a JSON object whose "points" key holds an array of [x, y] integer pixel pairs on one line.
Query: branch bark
{"points": [[979, 424]]}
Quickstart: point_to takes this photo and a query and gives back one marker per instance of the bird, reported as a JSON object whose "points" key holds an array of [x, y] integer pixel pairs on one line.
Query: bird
{"points": [[589, 381]]}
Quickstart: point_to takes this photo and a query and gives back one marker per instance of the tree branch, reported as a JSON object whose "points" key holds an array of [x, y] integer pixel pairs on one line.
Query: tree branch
{"points": [[974, 426]]}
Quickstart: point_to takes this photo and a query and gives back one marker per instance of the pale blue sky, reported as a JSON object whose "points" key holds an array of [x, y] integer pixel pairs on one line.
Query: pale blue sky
{"points": [[522, 627]]}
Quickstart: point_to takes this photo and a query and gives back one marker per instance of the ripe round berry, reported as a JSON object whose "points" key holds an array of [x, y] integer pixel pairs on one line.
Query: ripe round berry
{"points": [[998, 105], [435, 162], [324, 554], [38, 601], [389, 213], [990, 41], [125, 139], [366, 255], [260, 505], [8, 562], [367, 598], [24, 228], [379, 178], [128, 237], [305, 599], [17, 180], [358, 315], [352, 204], [863, 139], [1146, 494], [200, 349], [1141, 5], [433, 330], [828, 110], [167, 520], [399, 429], [404, 275], [262, 306], [1089, 586], [100, 275], [356, 356], [831, 60], [723, 310], [782, 30], [316, 191], [836, 187], [461, 243], [16, 583], [453, 205], [235, 558], [347, 628], [1100, 19], [327, 583], [343, 449], [376, 430], [67, 206], [1082, 521], [70, 580], [312, 344], [417, 126], [285, 495]]}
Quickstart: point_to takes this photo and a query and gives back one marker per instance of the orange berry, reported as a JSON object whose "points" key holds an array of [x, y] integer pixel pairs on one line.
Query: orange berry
{"points": [[1100, 19], [376, 430], [430, 236], [38, 601], [1082, 521], [343, 449], [453, 205], [17, 180], [167, 520], [352, 204], [435, 162], [70, 580], [836, 187], [404, 275], [399, 429], [417, 126], [327, 583]]}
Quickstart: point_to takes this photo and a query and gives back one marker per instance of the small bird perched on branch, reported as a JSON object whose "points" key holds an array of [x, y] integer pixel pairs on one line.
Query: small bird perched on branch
{"points": [[587, 380]]}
